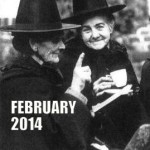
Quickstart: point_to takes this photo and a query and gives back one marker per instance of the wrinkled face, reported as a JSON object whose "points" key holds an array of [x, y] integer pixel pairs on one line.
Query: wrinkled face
{"points": [[96, 32], [49, 50]]}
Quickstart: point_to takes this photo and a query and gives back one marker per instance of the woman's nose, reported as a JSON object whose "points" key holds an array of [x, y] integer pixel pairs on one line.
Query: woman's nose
{"points": [[95, 33], [61, 45]]}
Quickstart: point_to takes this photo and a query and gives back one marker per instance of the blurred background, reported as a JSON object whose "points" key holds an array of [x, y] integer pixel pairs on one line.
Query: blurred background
{"points": [[132, 28]]}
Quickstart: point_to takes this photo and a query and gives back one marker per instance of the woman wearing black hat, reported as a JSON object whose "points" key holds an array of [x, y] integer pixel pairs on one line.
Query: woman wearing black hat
{"points": [[115, 123], [34, 112]]}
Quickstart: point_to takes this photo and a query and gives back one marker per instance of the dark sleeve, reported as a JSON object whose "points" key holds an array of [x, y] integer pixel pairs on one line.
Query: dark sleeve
{"points": [[145, 76], [145, 86], [73, 127], [132, 79]]}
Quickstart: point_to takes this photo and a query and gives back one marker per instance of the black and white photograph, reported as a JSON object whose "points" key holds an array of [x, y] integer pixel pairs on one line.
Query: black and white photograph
{"points": [[74, 75]]}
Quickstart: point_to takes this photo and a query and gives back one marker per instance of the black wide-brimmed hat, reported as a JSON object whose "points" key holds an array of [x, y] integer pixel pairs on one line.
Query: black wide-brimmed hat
{"points": [[82, 8], [37, 16]]}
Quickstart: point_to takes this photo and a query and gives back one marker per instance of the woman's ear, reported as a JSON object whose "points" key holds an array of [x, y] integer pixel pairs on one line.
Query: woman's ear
{"points": [[111, 26], [33, 45]]}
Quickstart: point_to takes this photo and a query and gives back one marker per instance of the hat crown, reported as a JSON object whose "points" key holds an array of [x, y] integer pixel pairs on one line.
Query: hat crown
{"points": [[88, 5], [38, 16], [37, 12], [84, 8]]}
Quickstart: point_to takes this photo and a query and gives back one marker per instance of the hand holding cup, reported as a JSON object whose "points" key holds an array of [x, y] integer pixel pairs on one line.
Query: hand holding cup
{"points": [[102, 84]]}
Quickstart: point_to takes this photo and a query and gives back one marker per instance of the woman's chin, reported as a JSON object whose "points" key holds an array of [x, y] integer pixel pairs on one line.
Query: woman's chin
{"points": [[97, 46], [54, 61]]}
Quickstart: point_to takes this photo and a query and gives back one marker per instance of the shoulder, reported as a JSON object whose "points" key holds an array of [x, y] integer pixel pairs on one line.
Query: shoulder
{"points": [[21, 83], [147, 61], [146, 65], [10, 72], [117, 47], [145, 76], [13, 71], [21, 76]]}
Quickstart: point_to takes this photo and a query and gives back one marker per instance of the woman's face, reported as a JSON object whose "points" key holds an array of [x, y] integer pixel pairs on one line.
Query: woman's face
{"points": [[49, 50], [96, 32]]}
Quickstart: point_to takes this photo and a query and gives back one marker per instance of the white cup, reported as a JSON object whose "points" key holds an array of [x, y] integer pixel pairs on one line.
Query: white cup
{"points": [[119, 77]]}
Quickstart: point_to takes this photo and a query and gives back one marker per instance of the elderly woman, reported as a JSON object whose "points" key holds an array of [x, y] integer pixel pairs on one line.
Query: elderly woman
{"points": [[117, 122], [35, 114]]}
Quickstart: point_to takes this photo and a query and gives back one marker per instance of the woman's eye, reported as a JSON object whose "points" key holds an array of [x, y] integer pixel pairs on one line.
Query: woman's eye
{"points": [[100, 27], [86, 30]]}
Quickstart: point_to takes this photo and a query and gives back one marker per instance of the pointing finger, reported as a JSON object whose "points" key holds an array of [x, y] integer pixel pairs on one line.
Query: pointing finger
{"points": [[80, 60]]}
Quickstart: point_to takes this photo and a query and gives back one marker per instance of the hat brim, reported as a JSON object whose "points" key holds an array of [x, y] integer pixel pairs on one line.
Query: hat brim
{"points": [[77, 17], [28, 28]]}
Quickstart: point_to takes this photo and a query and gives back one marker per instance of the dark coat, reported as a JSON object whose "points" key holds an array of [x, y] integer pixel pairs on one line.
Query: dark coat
{"points": [[118, 121], [145, 86], [27, 80]]}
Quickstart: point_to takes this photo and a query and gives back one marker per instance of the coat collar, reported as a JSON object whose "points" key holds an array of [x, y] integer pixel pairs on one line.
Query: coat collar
{"points": [[29, 67]]}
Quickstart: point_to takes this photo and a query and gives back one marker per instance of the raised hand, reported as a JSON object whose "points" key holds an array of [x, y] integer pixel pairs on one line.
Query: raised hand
{"points": [[81, 75]]}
